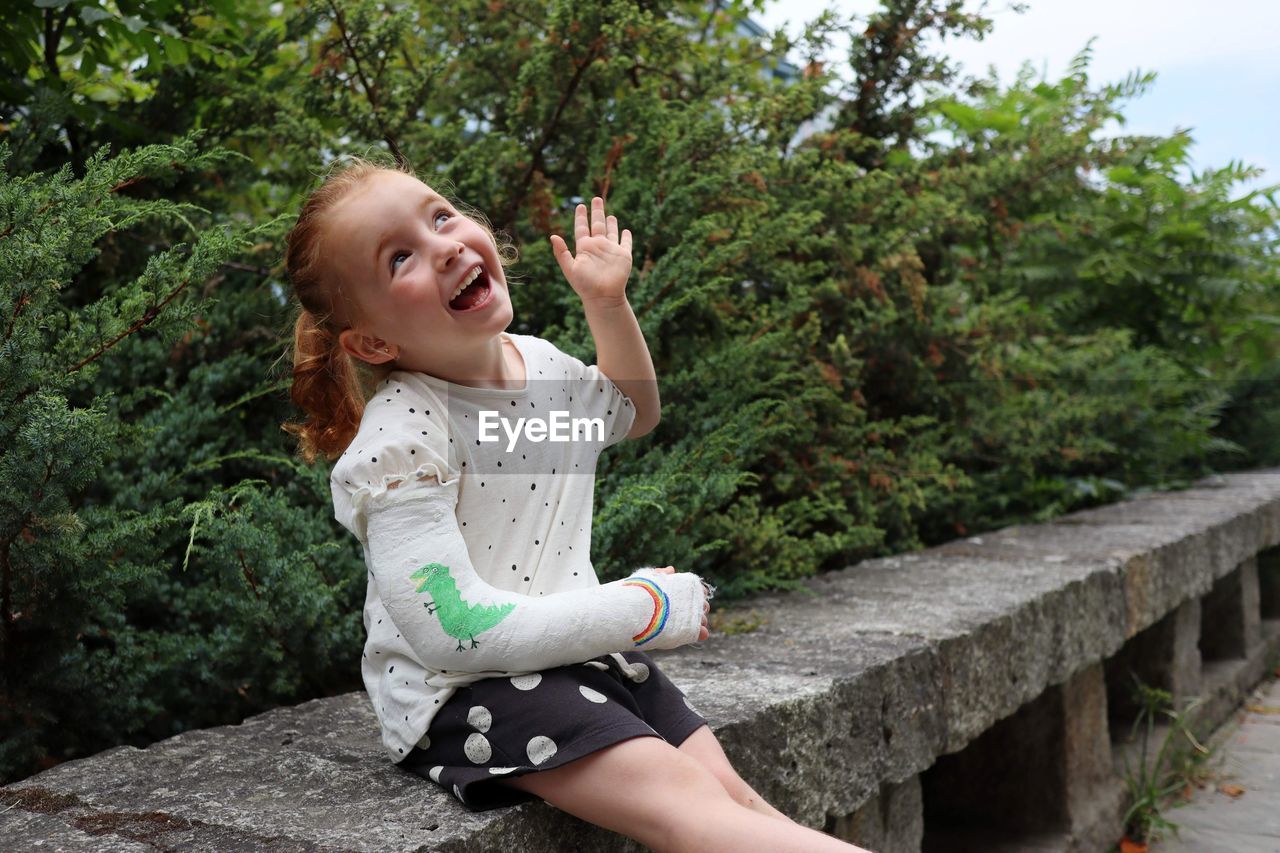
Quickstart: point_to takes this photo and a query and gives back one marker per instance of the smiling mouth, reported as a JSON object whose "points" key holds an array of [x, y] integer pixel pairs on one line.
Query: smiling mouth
{"points": [[473, 293]]}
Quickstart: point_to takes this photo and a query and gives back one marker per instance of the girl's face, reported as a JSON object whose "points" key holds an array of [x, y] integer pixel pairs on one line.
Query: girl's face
{"points": [[402, 252]]}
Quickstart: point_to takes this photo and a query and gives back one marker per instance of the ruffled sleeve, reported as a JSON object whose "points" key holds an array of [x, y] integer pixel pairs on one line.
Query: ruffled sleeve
{"points": [[403, 435]]}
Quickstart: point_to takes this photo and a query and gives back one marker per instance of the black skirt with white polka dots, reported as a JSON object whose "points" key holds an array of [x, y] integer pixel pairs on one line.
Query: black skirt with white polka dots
{"points": [[504, 727]]}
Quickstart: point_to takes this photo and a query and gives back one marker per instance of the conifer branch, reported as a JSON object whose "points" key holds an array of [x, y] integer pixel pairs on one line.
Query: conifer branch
{"points": [[537, 161], [149, 315], [328, 581], [23, 301], [6, 569], [271, 627], [9, 228], [370, 90], [248, 574]]}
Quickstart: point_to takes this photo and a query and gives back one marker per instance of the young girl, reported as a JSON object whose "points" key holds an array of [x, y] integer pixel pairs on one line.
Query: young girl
{"points": [[498, 666]]}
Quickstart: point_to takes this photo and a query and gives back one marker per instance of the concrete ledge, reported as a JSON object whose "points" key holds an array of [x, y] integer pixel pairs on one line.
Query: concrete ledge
{"points": [[838, 707]]}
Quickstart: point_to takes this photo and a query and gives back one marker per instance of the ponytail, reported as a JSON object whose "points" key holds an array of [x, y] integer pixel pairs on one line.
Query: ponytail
{"points": [[328, 386]]}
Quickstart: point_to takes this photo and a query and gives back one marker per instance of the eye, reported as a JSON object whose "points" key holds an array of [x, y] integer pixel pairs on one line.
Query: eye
{"points": [[435, 221]]}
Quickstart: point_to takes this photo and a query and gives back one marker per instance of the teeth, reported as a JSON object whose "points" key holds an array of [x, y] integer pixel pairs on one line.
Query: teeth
{"points": [[471, 276]]}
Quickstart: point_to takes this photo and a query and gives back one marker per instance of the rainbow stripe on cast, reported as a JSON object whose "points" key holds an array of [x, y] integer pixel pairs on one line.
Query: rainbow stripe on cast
{"points": [[661, 609]]}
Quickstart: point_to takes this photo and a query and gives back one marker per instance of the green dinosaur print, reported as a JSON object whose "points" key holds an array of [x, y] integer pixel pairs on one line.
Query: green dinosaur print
{"points": [[458, 619]]}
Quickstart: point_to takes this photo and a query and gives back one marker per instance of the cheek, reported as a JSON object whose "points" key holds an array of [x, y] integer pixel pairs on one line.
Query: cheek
{"points": [[388, 306]]}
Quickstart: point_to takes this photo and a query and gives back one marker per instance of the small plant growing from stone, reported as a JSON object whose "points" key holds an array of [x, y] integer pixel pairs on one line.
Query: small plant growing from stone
{"points": [[1154, 783], [736, 621]]}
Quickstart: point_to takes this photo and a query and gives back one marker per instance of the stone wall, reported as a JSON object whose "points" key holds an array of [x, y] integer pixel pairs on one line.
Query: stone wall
{"points": [[969, 696]]}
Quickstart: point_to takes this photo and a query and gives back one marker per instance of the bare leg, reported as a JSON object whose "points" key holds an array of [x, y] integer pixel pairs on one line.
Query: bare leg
{"points": [[650, 791], [706, 749]]}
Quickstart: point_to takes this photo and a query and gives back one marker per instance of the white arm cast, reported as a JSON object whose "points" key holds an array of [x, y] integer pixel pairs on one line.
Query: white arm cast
{"points": [[455, 621]]}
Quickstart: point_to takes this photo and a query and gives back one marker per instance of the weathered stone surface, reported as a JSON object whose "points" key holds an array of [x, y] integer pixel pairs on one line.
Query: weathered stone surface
{"points": [[858, 682], [1165, 655], [1224, 624], [890, 822], [1094, 796], [25, 830]]}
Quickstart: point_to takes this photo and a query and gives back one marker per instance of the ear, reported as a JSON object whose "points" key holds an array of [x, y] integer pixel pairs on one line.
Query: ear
{"points": [[366, 348]]}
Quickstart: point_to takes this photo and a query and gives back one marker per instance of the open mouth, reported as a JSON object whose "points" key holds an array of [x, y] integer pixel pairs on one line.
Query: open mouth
{"points": [[473, 291]]}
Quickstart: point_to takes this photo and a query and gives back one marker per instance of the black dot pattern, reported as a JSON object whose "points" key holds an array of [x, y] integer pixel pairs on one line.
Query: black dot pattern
{"points": [[536, 546]]}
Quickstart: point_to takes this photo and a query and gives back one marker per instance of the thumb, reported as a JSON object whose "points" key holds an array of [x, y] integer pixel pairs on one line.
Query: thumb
{"points": [[562, 254]]}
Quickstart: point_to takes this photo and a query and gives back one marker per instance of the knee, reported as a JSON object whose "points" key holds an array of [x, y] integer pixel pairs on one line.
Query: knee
{"points": [[695, 791], [693, 779], [737, 789]]}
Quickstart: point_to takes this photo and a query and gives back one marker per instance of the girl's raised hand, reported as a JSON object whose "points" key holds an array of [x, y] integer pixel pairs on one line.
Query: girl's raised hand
{"points": [[602, 265]]}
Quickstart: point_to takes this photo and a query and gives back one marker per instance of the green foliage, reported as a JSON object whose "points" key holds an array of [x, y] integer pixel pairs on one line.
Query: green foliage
{"points": [[141, 597], [884, 312], [1153, 783]]}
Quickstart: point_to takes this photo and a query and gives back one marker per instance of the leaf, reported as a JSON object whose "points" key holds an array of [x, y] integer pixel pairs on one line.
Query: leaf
{"points": [[1126, 175], [1004, 122], [898, 158], [102, 93], [1232, 791], [1172, 149], [93, 14], [175, 50], [966, 117]]}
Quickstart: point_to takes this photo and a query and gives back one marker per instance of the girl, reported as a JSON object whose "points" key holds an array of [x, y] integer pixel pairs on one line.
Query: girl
{"points": [[495, 659]]}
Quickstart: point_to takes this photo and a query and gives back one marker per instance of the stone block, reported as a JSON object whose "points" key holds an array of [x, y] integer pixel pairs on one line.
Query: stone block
{"points": [[1165, 655], [890, 822], [1229, 615], [1250, 603], [1094, 794]]}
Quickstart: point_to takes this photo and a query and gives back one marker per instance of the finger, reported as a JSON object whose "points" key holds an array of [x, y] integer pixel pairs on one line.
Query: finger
{"points": [[580, 229], [597, 217], [626, 240], [563, 256], [611, 228]]}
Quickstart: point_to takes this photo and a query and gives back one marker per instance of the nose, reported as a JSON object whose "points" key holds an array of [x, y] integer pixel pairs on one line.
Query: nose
{"points": [[447, 253]]}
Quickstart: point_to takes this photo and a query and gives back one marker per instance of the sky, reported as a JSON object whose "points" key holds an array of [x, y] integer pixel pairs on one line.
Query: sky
{"points": [[1216, 61]]}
